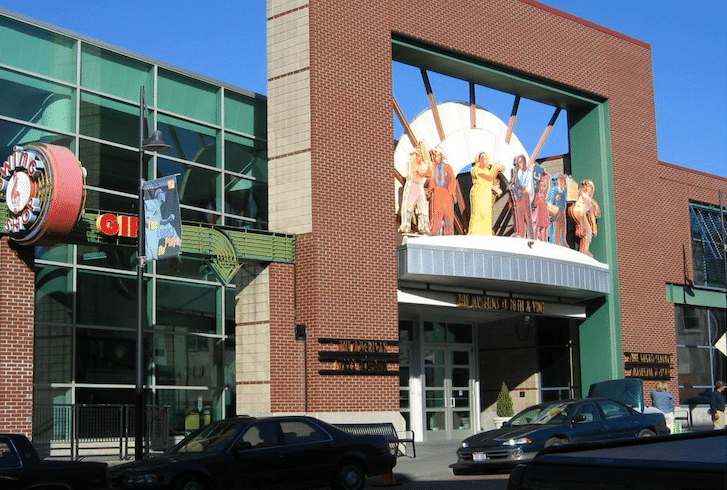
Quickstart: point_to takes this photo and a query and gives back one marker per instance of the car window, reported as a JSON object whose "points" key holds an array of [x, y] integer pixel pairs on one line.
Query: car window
{"points": [[556, 413], [208, 439], [526, 416], [589, 411], [262, 434], [8, 457], [300, 432], [612, 410]]}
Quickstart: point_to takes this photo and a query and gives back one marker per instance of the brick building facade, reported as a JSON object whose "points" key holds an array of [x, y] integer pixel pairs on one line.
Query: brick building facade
{"points": [[350, 329]]}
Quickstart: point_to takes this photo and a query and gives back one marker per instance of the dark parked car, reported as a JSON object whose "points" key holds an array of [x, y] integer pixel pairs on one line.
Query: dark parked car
{"points": [[694, 461], [21, 468], [273, 452], [551, 424]]}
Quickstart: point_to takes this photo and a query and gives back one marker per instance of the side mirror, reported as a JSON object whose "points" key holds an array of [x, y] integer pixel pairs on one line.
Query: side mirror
{"points": [[578, 419], [242, 446]]}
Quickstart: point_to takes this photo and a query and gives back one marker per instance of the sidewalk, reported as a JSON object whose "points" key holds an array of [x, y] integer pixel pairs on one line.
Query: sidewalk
{"points": [[432, 462]]}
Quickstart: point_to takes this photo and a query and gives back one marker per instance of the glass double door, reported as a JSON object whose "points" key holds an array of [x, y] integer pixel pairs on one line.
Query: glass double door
{"points": [[448, 396]]}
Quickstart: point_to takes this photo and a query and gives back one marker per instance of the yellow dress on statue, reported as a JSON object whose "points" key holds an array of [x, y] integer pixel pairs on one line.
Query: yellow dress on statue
{"points": [[485, 185]]}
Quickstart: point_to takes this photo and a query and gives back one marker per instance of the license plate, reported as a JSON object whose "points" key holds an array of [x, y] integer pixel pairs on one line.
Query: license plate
{"points": [[478, 457]]}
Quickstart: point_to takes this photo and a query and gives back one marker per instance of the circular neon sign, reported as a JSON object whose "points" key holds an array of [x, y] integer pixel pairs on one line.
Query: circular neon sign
{"points": [[44, 193]]}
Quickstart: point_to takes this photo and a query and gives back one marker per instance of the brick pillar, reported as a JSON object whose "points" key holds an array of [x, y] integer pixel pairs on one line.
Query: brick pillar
{"points": [[17, 304]]}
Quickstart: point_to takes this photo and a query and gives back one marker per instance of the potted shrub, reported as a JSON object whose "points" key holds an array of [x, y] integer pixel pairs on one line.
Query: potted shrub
{"points": [[504, 406]]}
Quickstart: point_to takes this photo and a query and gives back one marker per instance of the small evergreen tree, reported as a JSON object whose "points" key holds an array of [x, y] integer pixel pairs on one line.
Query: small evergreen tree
{"points": [[504, 402]]}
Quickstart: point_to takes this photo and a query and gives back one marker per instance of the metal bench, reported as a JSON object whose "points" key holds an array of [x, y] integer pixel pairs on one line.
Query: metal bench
{"points": [[396, 439]]}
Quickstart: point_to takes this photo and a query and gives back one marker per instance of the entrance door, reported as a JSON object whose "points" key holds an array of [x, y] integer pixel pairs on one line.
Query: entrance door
{"points": [[448, 392]]}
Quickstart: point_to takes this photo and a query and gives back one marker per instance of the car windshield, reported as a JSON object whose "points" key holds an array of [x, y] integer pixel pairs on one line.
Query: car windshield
{"points": [[208, 439], [555, 413]]}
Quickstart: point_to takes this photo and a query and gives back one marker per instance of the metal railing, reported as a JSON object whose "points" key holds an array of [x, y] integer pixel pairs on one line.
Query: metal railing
{"points": [[96, 431]]}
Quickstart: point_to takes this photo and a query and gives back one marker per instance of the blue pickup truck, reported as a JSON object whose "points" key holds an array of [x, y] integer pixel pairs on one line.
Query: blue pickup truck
{"points": [[21, 468]]}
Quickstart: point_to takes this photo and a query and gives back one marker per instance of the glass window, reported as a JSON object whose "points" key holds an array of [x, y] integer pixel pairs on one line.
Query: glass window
{"points": [[262, 434], [230, 305], [246, 156], [435, 332], [301, 432], [612, 410], [53, 354], [54, 294], [115, 74], [9, 458], [406, 331], [245, 114], [37, 101], [187, 307], [56, 253], [188, 97], [12, 134], [107, 299], [190, 141], [186, 360], [104, 202], [210, 217], [198, 186], [434, 377], [708, 247], [185, 413], [110, 167], [108, 256], [187, 265], [246, 198], [590, 412], [105, 356], [37, 50], [700, 363], [434, 357], [554, 367], [110, 120]]}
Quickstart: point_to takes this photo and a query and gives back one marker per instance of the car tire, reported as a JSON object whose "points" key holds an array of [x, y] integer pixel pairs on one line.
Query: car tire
{"points": [[646, 433], [555, 441], [349, 476], [188, 483]]}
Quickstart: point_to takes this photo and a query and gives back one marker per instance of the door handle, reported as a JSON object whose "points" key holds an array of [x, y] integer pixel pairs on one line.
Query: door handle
{"points": [[451, 402]]}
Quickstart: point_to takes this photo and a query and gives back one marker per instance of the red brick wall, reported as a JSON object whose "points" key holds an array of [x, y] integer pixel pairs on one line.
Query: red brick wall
{"points": [[346, 273], [678, 186], [17, 302]]}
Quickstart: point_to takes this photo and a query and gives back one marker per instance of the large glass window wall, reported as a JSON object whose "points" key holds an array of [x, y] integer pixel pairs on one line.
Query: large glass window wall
{"points": [[700, 362], [55, 88]]}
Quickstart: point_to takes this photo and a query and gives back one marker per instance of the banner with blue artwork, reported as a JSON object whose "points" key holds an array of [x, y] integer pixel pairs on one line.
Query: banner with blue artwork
{"points": [[162, 221]]}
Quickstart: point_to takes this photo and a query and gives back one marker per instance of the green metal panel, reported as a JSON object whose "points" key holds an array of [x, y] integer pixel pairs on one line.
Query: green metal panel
{"points": [[600, 334], [37, 50], [114, 74], [246, 114], [37, 101], [413, 52], [685, 295], [189, 97]]}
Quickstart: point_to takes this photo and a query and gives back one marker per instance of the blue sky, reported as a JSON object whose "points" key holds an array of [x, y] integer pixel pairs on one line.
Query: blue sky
{"points": [[225, 40]]}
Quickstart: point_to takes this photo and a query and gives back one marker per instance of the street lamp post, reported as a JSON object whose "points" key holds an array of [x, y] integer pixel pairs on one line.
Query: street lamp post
{"points": [[153, 143]]}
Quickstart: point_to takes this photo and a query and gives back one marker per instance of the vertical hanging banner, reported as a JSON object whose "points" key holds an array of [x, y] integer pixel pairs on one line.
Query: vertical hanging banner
{"points": [[162, 222]]}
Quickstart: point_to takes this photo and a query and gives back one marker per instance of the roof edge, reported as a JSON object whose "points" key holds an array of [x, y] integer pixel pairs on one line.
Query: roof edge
{"points": [[587, 23]]}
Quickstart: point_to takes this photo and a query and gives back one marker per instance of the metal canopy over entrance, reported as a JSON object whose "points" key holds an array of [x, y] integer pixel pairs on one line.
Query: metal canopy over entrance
{"points": [[504, 264]]}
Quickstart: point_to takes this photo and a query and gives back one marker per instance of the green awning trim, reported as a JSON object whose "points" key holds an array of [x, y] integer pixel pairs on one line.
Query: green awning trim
{"points": [[686, 295], [228, 248]]}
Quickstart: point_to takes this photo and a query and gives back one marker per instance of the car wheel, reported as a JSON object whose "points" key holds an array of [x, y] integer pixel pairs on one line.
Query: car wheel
{"points": [[555, 441], [646, 433], [349, 476], [188, 483]]}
